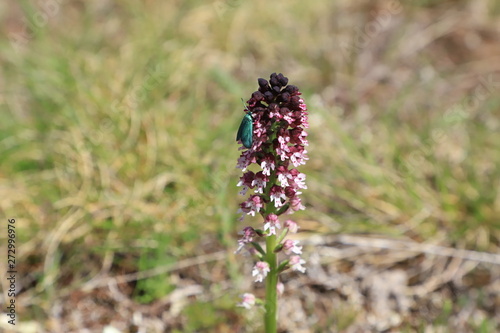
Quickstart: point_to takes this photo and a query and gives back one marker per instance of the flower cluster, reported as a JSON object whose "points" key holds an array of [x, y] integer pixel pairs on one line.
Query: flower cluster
{"points": [[279, 140], [278, 147]]}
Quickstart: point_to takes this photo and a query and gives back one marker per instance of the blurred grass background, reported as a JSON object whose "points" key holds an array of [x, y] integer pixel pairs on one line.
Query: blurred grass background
{"points": [[118, 154]]}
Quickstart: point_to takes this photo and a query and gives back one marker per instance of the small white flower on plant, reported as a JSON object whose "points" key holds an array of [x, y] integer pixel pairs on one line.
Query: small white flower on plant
{"points": [[277, 195], [292, 246], [247, 300], [280, 287], [248, 234], [292, 226], [296, 262], [272, 223], [260, 271]]}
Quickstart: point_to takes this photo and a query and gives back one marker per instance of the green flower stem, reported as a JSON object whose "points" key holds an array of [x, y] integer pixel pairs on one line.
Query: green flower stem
{"points": [[271, 306], [271, 314]]}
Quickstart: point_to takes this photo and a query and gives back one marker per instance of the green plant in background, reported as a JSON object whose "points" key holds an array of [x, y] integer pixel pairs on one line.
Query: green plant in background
{"points": [[273, 131], [155, 287]]}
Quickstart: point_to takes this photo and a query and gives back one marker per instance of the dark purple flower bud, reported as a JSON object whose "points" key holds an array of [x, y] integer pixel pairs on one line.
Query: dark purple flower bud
{"points": [[294, 103], [285, 97], [247, 179], [258, 96], [284, 110], [291, 89], [274, 81], [269, 96], [290, 192], [283, 80], [263, 84]]}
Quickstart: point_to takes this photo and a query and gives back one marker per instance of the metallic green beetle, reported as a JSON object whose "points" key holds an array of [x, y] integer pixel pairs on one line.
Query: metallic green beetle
{"points": [[245, 132]]}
